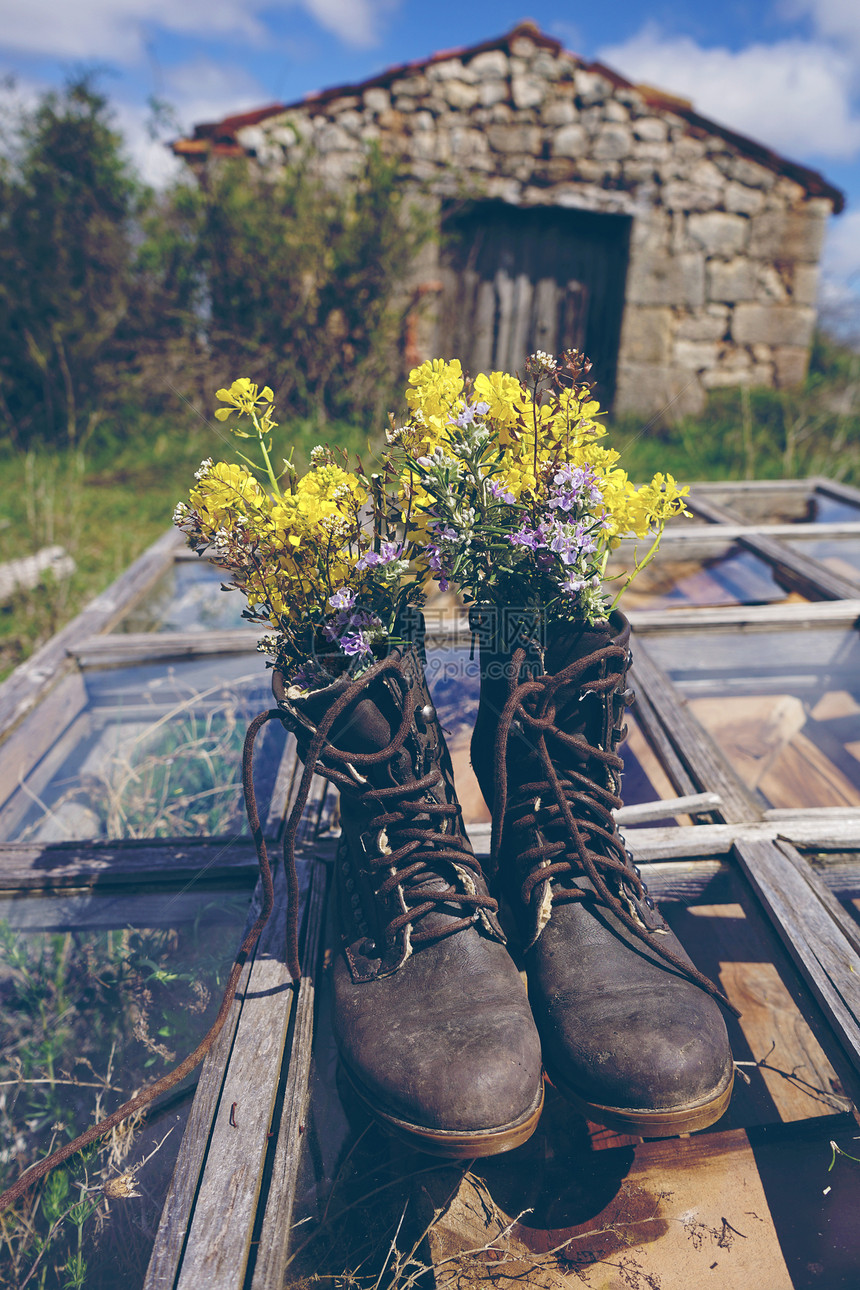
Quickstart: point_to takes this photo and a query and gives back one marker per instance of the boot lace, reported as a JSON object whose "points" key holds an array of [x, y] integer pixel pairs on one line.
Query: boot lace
{"points": [[580, 837], [416, 844]]}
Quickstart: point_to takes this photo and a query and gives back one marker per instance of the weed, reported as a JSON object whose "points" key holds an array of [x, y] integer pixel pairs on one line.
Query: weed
{"points": [[88, 1018]]}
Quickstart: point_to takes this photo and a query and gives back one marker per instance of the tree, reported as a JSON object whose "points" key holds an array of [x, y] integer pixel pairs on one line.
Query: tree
{"points": [[69, 204], [289, 281]]}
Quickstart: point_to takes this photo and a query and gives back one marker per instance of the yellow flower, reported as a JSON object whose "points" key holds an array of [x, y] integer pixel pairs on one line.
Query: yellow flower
{"points": [[506, 399], [242, 396], [225, 494]]}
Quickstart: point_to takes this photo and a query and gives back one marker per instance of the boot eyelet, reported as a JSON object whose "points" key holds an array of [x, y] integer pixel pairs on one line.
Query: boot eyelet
{"points": [[649, 902], [350, 884], [428, 712], [346, 867], [355, 900]]}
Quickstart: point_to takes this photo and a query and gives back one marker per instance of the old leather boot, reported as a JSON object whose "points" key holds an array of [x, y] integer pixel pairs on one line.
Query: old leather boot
{"points": [[630, 1029], [431, 1017]]}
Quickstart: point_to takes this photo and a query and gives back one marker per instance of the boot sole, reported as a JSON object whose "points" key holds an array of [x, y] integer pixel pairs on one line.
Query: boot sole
{"points": [[451, 1144], [652, 1124]]}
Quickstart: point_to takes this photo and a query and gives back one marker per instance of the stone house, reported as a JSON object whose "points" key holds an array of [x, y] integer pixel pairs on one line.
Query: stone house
{"points": [[576, 209]]}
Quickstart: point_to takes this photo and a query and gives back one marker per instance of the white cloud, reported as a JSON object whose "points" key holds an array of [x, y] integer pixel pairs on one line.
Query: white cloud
{"points": [[355, 21], [117, 29], [793, 95], [833, 19], [200, 90]]}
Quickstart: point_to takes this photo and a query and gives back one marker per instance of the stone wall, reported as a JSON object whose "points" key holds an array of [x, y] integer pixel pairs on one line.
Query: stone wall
{"points": [[726, 238]]}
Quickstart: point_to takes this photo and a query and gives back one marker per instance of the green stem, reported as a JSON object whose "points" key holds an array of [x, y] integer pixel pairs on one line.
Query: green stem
{"points": [[269, 471], [637, 567]]}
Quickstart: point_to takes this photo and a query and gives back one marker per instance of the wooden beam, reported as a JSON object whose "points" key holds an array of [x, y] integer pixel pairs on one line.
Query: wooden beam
{"points": [[828, 962], [808, 576], [178, 1207], [136, 647], [49, 866], [275, 1212], [722, 533], [691, 804], [845, 492], [217, 1241], [817, 614], [42, 671]]}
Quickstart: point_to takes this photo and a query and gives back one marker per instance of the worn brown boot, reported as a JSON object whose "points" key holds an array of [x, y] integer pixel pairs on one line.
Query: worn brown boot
{"points": [[631, 1031], [431, 1017]]}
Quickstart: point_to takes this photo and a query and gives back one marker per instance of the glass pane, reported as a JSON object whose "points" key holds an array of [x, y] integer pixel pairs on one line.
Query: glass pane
{"points": [[98, 997], [361, 1195], [784, 706], [155, 753], [186, 598], [840, 554], [681, 575], [782, 505], [841, 872]]}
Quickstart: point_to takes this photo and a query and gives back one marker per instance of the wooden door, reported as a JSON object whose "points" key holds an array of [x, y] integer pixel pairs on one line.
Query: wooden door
{"points": [[519, 280]]}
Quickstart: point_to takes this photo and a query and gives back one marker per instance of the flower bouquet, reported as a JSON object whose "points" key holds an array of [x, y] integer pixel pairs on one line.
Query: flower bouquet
{"points": [[317, 556], [515, 497]]}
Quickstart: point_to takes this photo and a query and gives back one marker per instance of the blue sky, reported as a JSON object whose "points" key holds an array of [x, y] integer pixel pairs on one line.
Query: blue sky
{"points": [[786, 72]]}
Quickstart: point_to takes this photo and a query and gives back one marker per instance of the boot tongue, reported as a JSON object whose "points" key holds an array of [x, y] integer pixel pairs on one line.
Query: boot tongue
{"points": [[367, 725], [567, 642]]}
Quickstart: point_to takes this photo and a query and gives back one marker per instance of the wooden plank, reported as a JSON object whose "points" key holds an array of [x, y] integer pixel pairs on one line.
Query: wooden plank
{"points": [[175, 1216], [275, 1227], [653, 730], [845, 492], [24, 747], [822, 893], [135, 647], [42, 671], [706, 764], [732, 942], [74, 865], [715, 536], [218, 1238], [677, 842], [676, 1213], [804, 485], [826, 959], [691, 804], [808, 576], [793, 614]]}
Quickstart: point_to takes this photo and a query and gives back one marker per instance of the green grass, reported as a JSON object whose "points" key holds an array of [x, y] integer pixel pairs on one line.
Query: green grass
{"points": [[760, 433], [105, 505]]}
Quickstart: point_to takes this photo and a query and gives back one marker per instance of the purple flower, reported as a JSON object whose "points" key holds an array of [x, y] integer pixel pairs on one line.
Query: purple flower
{"points": [[574, 485], [572, 584], [342, 599], [434, 557], [368, 561], [355, 644], [467, 416], [500, 493], [527, 537]]}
